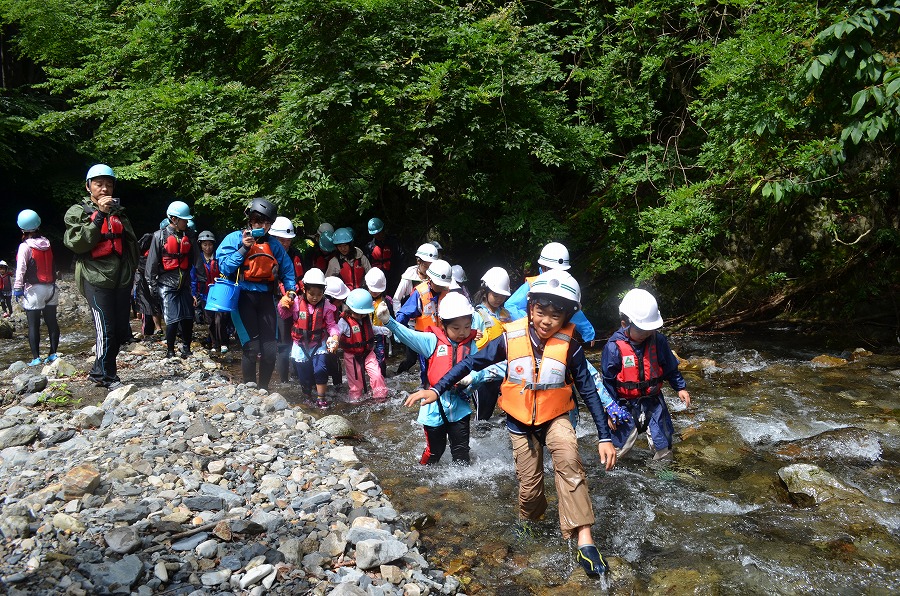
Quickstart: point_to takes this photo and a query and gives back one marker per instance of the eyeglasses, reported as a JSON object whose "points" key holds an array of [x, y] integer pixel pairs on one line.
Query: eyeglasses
{"points": [[257, 219]]}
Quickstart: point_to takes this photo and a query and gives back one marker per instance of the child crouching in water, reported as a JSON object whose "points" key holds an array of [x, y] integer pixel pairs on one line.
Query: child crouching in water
{"points": [[314, 325], [543, 364], [448, 414], [357, 339]]}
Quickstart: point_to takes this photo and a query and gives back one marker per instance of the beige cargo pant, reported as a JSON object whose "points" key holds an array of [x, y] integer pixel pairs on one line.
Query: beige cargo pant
{"points": [[574, 502]]}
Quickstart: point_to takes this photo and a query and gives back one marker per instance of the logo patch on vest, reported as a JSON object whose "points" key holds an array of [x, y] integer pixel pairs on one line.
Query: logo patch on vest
{"points": [[441, 351], [302, 316], [520, 369], [628, 362], [355, 329]]}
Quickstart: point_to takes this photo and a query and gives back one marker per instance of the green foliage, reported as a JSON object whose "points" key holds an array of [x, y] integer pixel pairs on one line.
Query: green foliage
{"points": [[59, 395]]}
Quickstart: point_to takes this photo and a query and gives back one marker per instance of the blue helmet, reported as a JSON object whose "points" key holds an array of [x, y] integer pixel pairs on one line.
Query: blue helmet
{"points": [[163, 223], [342, 236], [325, 242], [375, 225], [28, 220], [100, 169], [360, 301], [179, 209]]}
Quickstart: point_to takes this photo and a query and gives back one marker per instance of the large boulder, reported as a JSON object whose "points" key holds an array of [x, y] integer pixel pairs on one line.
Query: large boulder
{"points": [[335, 426], [810, 485]]}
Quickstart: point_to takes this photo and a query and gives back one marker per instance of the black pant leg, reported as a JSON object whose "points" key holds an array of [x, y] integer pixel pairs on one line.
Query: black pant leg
{"points": [[459, 440]]}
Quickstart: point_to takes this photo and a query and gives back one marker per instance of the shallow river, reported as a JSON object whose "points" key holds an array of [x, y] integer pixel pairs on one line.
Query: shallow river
{"points": [[717, 520]]}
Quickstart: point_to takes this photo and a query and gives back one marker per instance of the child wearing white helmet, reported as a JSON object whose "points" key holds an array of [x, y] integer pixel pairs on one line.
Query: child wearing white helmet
{"points": [[5, 290], [336, 291], [636, 362], [490, 317], [422, 304], [553, 256], [542, 366], [357, 340], [350, 264], [173, 252], [283, 231], [376, 283], [447, 416], [35, 285], [414, 275], [312, 321]]}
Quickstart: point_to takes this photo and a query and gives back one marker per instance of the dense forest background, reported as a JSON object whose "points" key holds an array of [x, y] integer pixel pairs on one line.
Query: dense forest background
{"points": [[739, 157]]}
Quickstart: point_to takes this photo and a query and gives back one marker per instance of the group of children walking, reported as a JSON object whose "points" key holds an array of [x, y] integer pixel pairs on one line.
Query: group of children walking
{"points": [[521, 351]]}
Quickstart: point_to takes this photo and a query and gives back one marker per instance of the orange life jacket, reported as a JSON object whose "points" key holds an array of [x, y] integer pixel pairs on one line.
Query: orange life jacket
{"points": [[536, 396], [429, 316], [639, 376], [40, 267], [309, 329], [362, 336], [176, 253], [381, 257], [111, 232], [446, 355], [260, 264], [352, 273]]}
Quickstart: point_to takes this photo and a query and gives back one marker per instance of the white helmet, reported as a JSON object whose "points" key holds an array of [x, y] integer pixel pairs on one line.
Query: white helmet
{"points": [[427, 252], [497, 281], [375, 280], [454, 305], [641, 309], [557, 288], [459, 274], [440, 273], [4, 264], [436, 244], [326, 228], [206, 235], [314, 277], [554, 256], [336, 288], [282, 228]]}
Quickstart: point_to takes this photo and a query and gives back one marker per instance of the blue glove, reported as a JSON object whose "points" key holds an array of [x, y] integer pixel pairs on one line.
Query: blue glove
{"points": [[617, 413], [18, 293]]}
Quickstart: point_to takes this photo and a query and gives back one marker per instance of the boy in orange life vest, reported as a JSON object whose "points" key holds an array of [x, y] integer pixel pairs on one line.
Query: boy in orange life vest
{"points": [[357, 339], [543, 364], [100, 234], [636, 361], [5, 290], [444, 345], [259, 262], [350, 264], [312, 319], [35, 284], [173, 252]]}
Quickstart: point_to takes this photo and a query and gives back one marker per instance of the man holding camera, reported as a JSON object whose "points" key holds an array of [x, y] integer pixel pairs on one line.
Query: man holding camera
{"points": [[258, 262], [101, 236]]}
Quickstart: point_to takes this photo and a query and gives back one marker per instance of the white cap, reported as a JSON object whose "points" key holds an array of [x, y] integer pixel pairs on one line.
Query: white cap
{"points": [[314, 277], [440, 273], [282, 228], [497, 281], [641, 309], [554, 256], [459, 274], [336, 288], [375, 280], [557, 283], [454, 305], [427, 252]]}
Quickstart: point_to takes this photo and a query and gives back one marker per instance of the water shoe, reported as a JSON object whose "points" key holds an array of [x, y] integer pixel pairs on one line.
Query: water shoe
{"points": [[51, 358], [35, 362], [591, 560]]}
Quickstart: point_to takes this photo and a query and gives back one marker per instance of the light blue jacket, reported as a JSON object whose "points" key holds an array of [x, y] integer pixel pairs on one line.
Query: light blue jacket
{"points": [[517, 305], [231, 253]]}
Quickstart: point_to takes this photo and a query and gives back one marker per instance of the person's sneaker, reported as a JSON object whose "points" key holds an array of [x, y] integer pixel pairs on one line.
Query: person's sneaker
{"points": [[186, 352], [35, 362], [114, 385], [591, 560], [171, 354], [51, 358], [322, 402], [224, 349]]}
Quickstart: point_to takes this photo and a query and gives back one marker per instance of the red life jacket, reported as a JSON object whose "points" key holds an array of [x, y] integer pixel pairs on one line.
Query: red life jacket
{"points": [[298, 270], [176, 253], [639, 376], [381, 257], [40, 267], [212, 272], [111, 232], [321, 259], [4, 279], [260, 264], [352, 273], [362, 336], [309, 329], [446, 355]]}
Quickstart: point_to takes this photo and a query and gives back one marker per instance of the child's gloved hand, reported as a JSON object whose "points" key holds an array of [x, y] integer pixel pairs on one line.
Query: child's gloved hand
{"points": [[18, 293], [331, 344], [382, 312], [473, 377], [617, 414], [285, 301]]}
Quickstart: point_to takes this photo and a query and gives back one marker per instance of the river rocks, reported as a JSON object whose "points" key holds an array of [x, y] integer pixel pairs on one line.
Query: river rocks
{"points": [[840, 444], [810, 485], [59, 368], [195, 485], [6, 330], [828, 361]]}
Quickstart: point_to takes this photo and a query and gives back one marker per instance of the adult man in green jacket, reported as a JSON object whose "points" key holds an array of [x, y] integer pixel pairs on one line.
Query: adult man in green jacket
{"points": [[100, 235]]}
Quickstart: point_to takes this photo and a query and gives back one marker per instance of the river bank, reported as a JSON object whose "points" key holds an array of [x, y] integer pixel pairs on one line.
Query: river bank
{"points": [[182, 482]]}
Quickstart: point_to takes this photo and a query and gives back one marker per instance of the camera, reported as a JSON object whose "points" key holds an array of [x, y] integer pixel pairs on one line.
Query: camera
{"points": [[258, 232], [117, 202]]}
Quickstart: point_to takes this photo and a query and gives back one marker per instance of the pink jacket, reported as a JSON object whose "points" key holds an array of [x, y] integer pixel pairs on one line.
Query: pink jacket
{"points": [[294, 313]]}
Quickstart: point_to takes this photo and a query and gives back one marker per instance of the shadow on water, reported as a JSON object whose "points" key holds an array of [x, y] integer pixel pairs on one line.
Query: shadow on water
{"points": [[716, 519]]}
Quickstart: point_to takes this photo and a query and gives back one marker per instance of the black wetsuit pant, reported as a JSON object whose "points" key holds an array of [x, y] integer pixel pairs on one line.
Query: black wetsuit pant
{"points": [[436, 441], [34, 329], [255, 320], [111, 309]]}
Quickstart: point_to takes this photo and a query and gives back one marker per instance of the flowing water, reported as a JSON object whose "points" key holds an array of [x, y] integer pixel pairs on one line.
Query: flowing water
{"points": [[716, 520]]}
